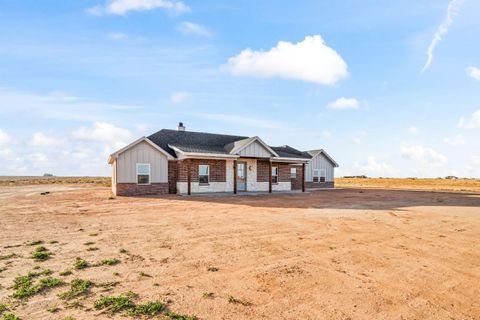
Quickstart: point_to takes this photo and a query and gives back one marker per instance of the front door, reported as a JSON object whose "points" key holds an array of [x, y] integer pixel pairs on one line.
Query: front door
{"points": [[241, 176]]}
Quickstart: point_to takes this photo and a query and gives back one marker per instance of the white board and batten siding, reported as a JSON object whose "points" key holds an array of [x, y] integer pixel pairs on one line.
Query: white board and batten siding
{"points": [[319, 161], [255, 150], [142, 153]]}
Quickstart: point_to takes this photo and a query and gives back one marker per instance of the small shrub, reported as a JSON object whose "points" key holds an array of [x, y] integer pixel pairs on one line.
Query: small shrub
{"points": [[4, 307], [41, 254], [208, 295], [109, 262], [35, 242], [53, 242], [78, 287], [53, 309], [151, 308], [80, 264], [116, 274], [94, 234], [176, 316], [115, 304], [10, 316], [40, 249], [232, 299], [92, 249], [212, 269], [123, 250], [89, 243], [143, 274], [65, 273]]}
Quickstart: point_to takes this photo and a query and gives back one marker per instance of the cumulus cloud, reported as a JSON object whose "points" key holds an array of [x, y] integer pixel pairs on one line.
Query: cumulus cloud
{"points": [[472, 122], [344, 103], [375, 167], [104, 132], [40, 139], [474, 72], [187, 27], [309, 60], [179, 97], [454, 141], [4, 138], [423, 154], [452, 10], [122, 7]]}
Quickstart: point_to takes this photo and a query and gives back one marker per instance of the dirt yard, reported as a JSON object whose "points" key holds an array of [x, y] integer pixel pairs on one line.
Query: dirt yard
{"points": [[338, 254]]}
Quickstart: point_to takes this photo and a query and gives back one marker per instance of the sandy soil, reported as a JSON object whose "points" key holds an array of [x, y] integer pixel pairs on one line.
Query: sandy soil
{"points": [[339, 254]]}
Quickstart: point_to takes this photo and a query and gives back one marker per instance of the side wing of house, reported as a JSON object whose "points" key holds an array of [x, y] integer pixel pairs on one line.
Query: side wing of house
{"points": [[140, 169], [320, 172]]}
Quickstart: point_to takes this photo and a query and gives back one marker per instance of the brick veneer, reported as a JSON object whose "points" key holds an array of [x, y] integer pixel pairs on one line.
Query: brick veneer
{"points": [[283, 171], [218, 169], [262, 170], [319, 185], [172, 176], [297, 182], [133, 189]]}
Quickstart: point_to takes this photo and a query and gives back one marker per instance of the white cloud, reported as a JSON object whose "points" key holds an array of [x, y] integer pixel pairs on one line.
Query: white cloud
{"points": [[4, 138], [122, 7], [344, 103], [104, 132], [413, 130], [454, 141], [240, 120], [179, 97], [40, 139], [117, 35], [423, 154], [472, 122], [60, 96], [309, 60], [375, 167], [187, 27], [452, 10], [474, 72]]}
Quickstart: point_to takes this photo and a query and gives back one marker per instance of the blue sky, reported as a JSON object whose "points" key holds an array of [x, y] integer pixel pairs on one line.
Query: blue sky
{"points": [[79, 79]]}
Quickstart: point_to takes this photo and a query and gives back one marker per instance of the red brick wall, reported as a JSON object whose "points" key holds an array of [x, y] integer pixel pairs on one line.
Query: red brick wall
{"points": [[319, 185], [262, 171], [283, 171], [132, 189], [172, 176], [297, 182], [218, 169]]}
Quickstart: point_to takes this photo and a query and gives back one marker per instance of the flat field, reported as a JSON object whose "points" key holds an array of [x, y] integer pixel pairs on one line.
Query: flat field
{"points": [[355, 253]]}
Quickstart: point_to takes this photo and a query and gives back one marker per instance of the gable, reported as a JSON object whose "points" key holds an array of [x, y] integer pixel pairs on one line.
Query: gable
{"points": [[255, 149]]}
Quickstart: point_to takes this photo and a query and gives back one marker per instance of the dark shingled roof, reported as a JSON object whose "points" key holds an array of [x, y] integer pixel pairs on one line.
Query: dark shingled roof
{"points": [[289, 152], [189, 141]]}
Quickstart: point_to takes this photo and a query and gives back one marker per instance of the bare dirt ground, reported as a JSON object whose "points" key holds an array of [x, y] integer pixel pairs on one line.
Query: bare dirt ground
{"points": [[338, 254]]}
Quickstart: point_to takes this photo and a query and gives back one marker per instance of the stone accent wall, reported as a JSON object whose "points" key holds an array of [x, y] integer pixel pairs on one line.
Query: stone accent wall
{"points": [[319, 185], [297, 182], [133, 189], [217, 169], [172, 176]]}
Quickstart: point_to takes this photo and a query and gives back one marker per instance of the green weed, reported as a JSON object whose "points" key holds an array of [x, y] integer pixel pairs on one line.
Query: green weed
{"points": [[80, 264], [78, 287], [151, 308], [116, 304], [109, 262]]}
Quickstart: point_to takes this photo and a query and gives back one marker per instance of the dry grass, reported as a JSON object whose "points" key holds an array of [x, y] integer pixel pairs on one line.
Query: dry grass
{"points": [[465, 185], [32, 180]]}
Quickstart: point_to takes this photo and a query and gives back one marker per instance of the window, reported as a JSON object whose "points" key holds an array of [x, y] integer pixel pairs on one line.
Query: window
{"points": [[293, 173], [203, 174], [319, 175], [274, 174], [143, 173]]}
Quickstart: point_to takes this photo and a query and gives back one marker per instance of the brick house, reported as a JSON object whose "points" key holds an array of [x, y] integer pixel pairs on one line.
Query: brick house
{"points": [[185, 162]]}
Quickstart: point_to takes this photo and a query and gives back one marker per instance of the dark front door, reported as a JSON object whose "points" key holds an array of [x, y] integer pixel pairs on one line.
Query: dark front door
{"points": [[241, 176]]}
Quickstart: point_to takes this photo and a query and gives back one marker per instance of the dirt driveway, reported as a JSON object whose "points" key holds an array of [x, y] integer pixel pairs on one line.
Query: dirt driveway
{"points": [[339, 254]]}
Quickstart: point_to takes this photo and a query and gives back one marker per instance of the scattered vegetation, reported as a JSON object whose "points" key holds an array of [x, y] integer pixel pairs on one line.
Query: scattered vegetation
{"points": [[53, 309], [41, 254], [94, 234], [143, 274], [208, 295], [53, 242], [89, 243], [34, 242], [212, 269], [8, 256], [78, 287], [123, 250], [232, 299], [3, 308], [151, 308], [176, 316], [65, 273], [107, 286], [92, 249], [80, 264], [109, 262], [10, 316], [25, 288], [115, 304]]}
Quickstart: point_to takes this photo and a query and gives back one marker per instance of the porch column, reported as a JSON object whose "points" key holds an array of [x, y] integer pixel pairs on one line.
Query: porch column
{"points": [[189, 180], [270, 176], [235, 176], [303, 177]]}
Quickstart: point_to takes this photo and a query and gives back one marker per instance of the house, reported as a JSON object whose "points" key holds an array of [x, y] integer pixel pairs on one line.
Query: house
{"points": [[185, 162]]}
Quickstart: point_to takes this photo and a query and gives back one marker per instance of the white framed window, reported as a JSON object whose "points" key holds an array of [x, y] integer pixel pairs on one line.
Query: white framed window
{"points": [[203, 174], [274, 174], [322, 175], [293, 173], [143, 173]]}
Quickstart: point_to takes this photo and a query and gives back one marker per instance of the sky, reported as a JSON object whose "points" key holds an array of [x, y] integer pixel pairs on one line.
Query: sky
{"points": [[387, 88]]}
